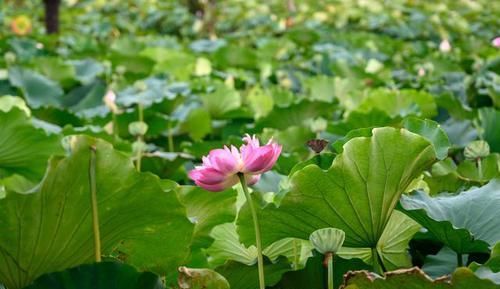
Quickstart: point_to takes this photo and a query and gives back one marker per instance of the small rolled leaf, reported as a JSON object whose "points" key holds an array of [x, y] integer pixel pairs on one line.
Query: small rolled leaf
{"points": [[327, 240]]}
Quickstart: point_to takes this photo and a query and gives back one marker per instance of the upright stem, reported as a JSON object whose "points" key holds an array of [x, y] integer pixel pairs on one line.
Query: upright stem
{"points": [[460, 262], [170, 138], [95, 212], [480, 169], [329, 255], [260, 260], [140, 138], [114, 122]]}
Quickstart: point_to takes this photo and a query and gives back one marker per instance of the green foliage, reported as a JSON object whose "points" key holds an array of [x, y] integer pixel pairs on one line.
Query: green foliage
{"points": [[56, 218], [104, 275]]}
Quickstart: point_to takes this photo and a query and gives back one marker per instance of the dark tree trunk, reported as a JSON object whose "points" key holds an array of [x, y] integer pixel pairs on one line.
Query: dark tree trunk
{"points": [[195, 7], [52, 15]]}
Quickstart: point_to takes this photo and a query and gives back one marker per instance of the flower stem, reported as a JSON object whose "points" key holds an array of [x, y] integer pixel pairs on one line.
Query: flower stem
{"points": [[93, 193], [460, 262], [170, 138], [260, 260], [330, 270], [140, 138]]}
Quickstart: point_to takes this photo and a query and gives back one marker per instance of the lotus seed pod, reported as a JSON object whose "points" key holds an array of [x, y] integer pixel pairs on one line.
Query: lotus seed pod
{"points": [[477, 149], [137, 128], [327, 240]]}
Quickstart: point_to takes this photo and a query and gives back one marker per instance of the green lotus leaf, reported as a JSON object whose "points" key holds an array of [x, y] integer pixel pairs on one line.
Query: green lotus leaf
{"points": [[488, 120], [37, 89], [242, 276], [392, 248], [357, 194], [200, 206], [465, 222], [51, 229], [24, 148], [7, 102], [105, 275], [400, 103]]}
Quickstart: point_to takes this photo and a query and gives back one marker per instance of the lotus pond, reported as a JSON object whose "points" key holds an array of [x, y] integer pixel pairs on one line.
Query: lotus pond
{"points": [[280, 144]]}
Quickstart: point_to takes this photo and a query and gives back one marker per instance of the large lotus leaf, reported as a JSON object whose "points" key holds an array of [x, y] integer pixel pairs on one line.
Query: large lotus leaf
{"points": [[357, 119], [24, 148], [105, 275], [223, 100], [200, 206], [414, 278], [392, 247], [57, 70], [489, 119], [491, 268], [295, 115], [429, 129], [241, 276], [357, 194], [228, 247], [51, 228], [37, 89], [7, 102], [320, 88], [466, 222], [442, 263], [400, 103]]}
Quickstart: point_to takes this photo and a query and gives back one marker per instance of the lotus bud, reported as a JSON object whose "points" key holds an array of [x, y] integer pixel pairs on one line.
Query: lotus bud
{"points": [[445, 46], [476, 150], [137, 128], [141, 86], [229, 81], [319, 125], [327, 240], [496, 42], [421, 72], [203, 67], [10, 57], [120, 69], [110, 101]]}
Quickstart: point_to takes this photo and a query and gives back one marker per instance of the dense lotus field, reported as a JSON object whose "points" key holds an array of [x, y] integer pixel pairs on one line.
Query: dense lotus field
{"points": [[250, 144]]}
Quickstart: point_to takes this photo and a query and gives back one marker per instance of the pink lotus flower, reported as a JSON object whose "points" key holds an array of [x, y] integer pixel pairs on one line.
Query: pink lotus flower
{"points": [[496, 42], [221, 167]]}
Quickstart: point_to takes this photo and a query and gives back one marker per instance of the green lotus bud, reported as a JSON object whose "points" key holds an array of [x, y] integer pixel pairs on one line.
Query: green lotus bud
{"points": [[477, 149], [120, 69], [140, 85], [10, 57], [203, 67], [327, 240], [201, 278], [137, 128], [319, 124], [138, 146]]}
